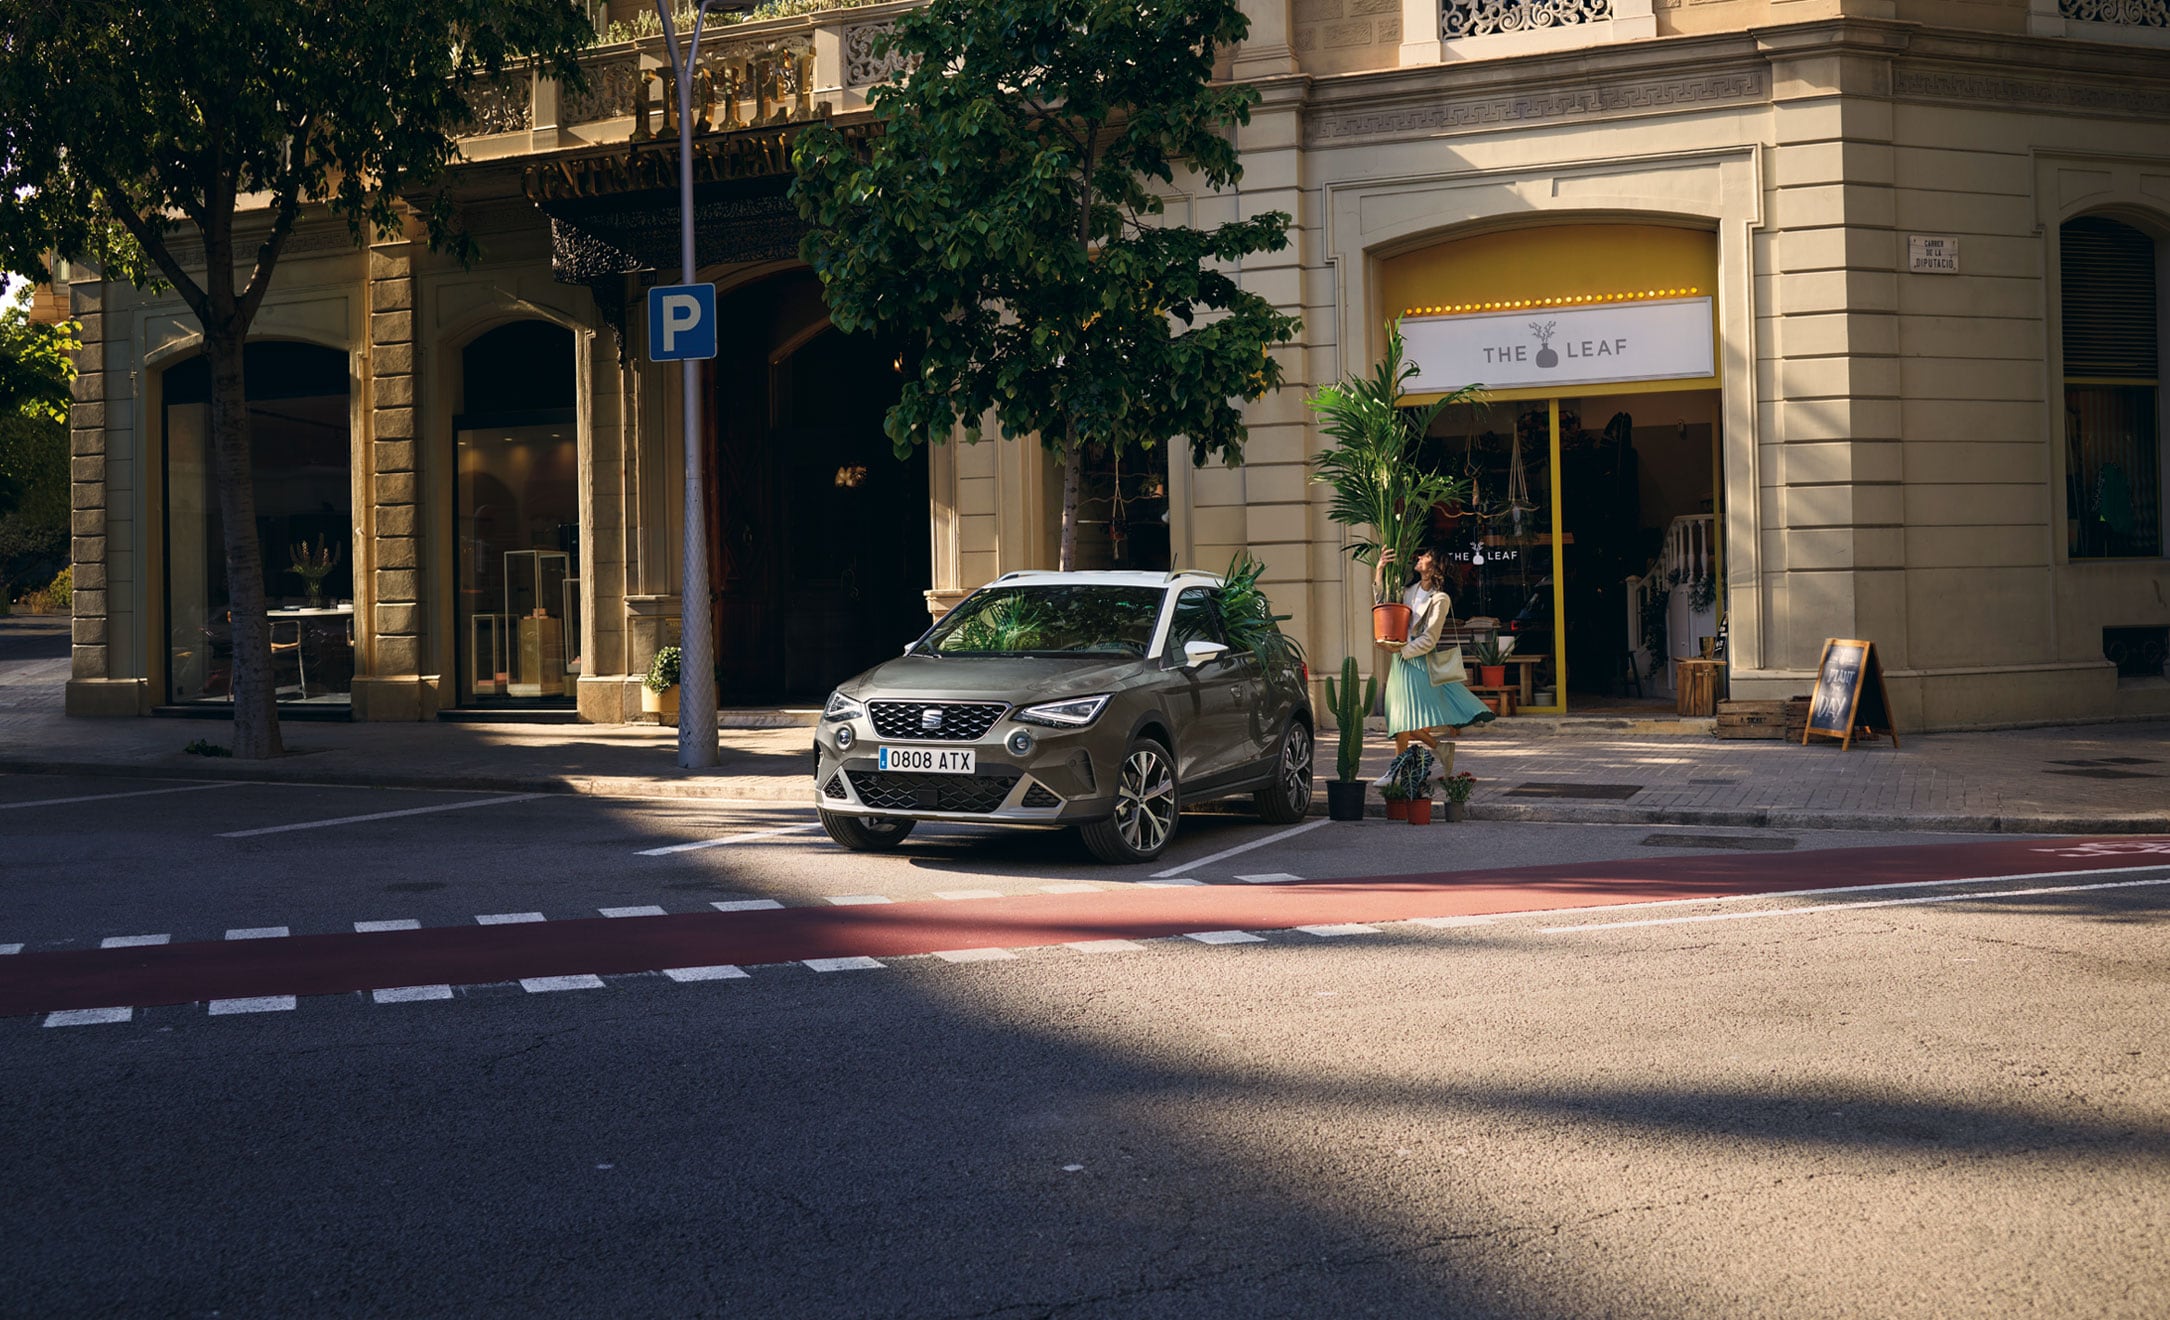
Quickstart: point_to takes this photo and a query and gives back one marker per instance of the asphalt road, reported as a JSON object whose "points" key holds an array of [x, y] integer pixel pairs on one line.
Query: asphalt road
{"points": [[1957, 1103]]}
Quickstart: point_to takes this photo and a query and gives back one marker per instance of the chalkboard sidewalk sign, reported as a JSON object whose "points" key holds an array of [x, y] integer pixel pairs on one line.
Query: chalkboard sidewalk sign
{"points": [[1850, 701]]}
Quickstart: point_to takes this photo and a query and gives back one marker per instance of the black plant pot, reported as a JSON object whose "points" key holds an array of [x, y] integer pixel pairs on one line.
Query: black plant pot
{"points": [[1345, 801]]}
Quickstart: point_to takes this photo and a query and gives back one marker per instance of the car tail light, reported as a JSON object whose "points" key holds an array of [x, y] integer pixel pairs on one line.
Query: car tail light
{"points": [[1303, 670]]}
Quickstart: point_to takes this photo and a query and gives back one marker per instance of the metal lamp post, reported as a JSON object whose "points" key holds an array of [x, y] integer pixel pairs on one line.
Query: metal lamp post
{"points": [[697, 747]]}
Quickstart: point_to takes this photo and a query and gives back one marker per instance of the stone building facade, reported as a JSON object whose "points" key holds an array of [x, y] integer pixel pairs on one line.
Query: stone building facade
{"points": [[1900, 263]]}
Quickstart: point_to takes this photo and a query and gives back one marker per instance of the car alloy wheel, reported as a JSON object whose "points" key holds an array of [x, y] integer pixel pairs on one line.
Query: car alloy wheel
{"points": [[1288, 800], [1145, 800]]}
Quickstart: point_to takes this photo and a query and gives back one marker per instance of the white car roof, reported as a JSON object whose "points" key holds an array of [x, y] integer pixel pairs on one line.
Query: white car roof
{"points": [[1113, 578]]}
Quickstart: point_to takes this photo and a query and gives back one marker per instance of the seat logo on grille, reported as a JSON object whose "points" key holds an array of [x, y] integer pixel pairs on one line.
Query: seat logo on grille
{"points": [[930, 717]]}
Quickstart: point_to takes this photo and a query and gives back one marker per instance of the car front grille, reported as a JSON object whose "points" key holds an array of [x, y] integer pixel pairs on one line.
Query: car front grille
{"points": [[1038, 796], [962, 721], [894, 791], [835, 787]]}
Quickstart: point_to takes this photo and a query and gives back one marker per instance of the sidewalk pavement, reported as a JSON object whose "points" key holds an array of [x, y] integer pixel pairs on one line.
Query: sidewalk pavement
{"points": [[2102, 778]]}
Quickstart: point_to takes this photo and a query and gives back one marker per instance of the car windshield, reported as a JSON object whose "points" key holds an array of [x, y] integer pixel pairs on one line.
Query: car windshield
{"points": [[1051, 619]]}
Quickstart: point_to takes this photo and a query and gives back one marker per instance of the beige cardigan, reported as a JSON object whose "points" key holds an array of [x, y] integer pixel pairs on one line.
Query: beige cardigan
{"points": [[1425, 628]]}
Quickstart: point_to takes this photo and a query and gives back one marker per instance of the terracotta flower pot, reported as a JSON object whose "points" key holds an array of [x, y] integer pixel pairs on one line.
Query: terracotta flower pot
{"points": [[1390, 624], [1420, 811], [1397, 808], [1491, 675]]}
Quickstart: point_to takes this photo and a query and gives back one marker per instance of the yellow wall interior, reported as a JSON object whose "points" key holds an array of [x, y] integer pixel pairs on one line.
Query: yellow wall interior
{"points": [[1539, 262]]}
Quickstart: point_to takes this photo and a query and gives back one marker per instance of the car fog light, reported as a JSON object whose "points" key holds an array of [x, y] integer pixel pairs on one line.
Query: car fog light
{"points": [[844, 737], [1019, 743]]}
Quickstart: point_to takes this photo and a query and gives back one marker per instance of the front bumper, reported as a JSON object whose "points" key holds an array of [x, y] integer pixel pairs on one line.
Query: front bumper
{"points": [[1057, 783]]}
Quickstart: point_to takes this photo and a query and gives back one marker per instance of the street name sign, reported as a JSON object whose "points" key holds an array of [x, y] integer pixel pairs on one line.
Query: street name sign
{"points": [[681, 322]]}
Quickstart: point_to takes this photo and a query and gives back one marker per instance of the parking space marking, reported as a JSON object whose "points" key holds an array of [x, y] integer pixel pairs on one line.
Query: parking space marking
{"points": [[259, 933], [1279, 836], [498, 801], [542, 985], [725, 972], [1106, 946], [1270, 878], [86, 1017], [508, 918], [411, 994], [974, 955], [746, 905], [395, 923], [133, 941], [1917, 900], [644, 910], [1225, 937], [107, 797], [726, 840], [844, 964], [260, 1004]]}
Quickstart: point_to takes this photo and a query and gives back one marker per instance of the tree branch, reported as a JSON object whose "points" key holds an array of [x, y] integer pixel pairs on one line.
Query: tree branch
{"points": [[282, 225], [150, 240]]}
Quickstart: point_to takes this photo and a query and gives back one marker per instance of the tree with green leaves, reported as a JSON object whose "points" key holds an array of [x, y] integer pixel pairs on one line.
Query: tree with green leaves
{"points": [[183, 143], [36, 364], [1005, 225]]}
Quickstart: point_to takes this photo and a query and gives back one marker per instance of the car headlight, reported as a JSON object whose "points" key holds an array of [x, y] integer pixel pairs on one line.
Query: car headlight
{"points": [[841, 707], [1075, 713]]}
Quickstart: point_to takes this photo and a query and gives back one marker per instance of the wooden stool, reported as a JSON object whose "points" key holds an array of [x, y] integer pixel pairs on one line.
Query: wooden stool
{"points": [[1500, 700]]}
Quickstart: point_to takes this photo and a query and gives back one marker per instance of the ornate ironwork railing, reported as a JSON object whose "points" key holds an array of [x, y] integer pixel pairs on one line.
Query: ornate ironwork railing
{"points": [[2125, 13], [1485, 18]]}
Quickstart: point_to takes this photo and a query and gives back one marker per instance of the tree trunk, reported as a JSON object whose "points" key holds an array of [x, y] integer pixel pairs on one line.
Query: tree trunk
{"points": [[256, 716], [1073, 476]]}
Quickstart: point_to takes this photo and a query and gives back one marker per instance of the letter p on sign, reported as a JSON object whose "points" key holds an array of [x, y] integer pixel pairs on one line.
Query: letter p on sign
{"points": [[681, 322]]}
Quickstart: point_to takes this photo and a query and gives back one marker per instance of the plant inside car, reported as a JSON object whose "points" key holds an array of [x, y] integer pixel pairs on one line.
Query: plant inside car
{"points": [[659, 687], [1103, 701], [1380, 485], [1345, 795]]}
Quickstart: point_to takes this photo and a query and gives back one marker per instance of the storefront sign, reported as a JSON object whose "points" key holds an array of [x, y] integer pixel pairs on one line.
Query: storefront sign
{"points": [[1658, 340], [1929, 255]]}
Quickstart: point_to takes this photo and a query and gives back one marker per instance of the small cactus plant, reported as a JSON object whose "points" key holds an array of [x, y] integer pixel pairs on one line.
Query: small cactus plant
{"points": [[1348, 715]]}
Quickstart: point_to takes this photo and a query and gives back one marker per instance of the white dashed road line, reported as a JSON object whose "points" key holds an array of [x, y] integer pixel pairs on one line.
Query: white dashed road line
{"points": [[1177, 883], [844, 964], [107, 797], [1277, 837], [85, 1017], [974, 955], [264, 1004], [1106, 946], [961, 894], [1071, 887], [379, 815], [6, 949], [857, 900], [1270, 878], [726, 840], [410, 994], [133, 941], [508, 918], [1915, 901], [259, 933], [747, 905], [723, 972], [644, 910], [1225, 937], [1341, 928], [539, 985], [396, 923]]}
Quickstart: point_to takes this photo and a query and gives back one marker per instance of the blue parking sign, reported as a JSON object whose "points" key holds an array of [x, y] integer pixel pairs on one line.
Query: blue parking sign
{"points": [[681, 322]]}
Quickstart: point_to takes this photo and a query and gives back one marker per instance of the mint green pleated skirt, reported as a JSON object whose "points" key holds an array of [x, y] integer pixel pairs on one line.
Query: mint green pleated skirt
{"points": [[1413, 702]]}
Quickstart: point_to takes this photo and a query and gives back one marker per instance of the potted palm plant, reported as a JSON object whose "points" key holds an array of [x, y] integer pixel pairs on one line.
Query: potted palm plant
{"points": [[1345, 795], [1379, 485]]}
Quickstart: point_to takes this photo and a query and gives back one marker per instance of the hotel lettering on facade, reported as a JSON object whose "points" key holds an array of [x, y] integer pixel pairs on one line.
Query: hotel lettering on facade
{"points": [[1797, 320]]}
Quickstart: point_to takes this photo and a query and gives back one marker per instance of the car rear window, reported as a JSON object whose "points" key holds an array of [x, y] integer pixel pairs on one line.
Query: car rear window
{"points": [[1051, 619]]}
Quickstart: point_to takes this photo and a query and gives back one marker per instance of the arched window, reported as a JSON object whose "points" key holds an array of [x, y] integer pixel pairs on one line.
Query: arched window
{"points": [[2113, 365], [518, 515], [301, 461]]}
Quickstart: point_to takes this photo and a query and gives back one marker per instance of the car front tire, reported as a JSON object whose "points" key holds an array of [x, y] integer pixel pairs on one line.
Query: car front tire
{"points": [[1288, 798], [1146, 802], [867, 833]]}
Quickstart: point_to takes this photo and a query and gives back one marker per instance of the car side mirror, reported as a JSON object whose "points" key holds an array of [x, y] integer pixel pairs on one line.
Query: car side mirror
{"points": [[1198, 653]]}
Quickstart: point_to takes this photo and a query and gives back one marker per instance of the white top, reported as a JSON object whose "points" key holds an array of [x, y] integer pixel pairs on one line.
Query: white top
{"points": [[1416, 597]]}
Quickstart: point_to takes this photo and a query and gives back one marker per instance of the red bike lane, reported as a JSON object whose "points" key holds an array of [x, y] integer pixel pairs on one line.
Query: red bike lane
{"points": [[469, 955]]}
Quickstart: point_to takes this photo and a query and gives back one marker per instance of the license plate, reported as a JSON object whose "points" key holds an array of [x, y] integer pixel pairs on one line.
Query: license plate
{"points": [[926, 760]]}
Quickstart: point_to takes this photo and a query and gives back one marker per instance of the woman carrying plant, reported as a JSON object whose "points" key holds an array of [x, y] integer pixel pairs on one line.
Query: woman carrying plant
{"points": [[1426, 695]]}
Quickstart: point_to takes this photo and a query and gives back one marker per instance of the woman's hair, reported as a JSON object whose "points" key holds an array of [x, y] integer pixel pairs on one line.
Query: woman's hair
{"points": [[1439, 561]]}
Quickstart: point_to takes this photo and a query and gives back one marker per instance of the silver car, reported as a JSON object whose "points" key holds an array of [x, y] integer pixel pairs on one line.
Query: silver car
{"points": [[1107, 701]]}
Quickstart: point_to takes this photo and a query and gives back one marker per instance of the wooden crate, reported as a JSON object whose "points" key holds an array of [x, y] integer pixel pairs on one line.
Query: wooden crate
{"points": [[1698, 691], [1751, 719], [1796, 717]]}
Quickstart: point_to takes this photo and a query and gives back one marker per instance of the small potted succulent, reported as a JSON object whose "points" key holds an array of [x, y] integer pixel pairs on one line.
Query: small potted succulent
{"points": [[1345, 795], [659, 689], [1491, 663], [1457, 789], [1397, 801]]}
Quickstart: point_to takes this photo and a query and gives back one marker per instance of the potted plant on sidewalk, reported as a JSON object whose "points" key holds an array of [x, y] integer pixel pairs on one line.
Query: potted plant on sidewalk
{"points": [[1457, 789], [1345, 795], [1379, 484], [1420, 806], [659, 689]]}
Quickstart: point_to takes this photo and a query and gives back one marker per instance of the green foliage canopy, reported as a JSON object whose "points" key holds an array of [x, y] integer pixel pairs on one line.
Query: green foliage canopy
{"points": [[1005, 225], [35, 369]]}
